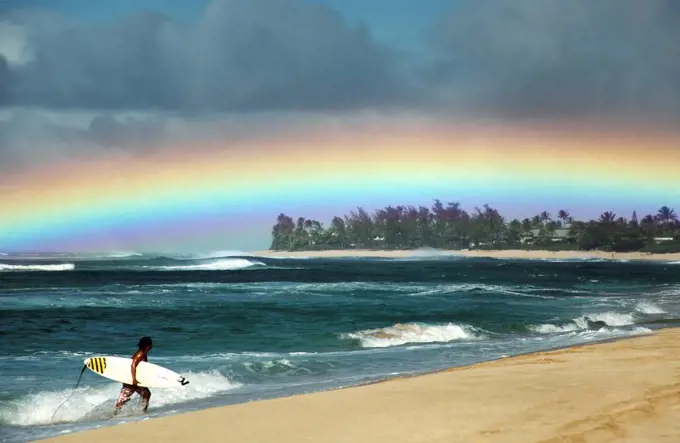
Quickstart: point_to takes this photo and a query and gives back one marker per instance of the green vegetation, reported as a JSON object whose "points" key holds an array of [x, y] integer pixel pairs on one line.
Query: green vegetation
{"points": [[451, 227]]}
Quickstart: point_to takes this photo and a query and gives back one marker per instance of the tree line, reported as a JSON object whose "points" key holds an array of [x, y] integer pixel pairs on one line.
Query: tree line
{"points": [[451, 227]]}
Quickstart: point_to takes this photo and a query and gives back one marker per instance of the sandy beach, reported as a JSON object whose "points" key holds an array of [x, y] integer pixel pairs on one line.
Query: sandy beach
{"points": [[622, 391], [510, 253]]}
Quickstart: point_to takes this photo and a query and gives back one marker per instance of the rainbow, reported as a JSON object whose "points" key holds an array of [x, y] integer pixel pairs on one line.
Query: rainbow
{"points": [[227, 195]]}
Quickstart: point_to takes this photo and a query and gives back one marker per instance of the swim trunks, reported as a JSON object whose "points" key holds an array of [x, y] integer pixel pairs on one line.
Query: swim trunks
{"points": [[127, 391]]}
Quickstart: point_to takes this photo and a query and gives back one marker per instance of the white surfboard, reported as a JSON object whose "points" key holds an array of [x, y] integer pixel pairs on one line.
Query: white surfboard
{"points": [[148, 374]]}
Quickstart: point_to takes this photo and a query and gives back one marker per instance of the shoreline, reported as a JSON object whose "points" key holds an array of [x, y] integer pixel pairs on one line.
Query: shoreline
{"points": [[304, 413], [500, 254]]}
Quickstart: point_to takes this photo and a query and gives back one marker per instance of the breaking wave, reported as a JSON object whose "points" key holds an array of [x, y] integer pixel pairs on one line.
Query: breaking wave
{"points": [[122, 254], [212, 255], [403, 333], [22, 268], [610, 319], [649, 308], [227, 264]]}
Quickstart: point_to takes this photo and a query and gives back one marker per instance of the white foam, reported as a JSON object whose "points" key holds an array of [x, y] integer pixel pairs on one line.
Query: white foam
{"points": [[672, 292], [21, 268], [215, 254], [402, 333], [554, 329], [580, 323], [122, 254], [227, 264], [38, 408], [281, 366], [649, 308], [611, 318]]}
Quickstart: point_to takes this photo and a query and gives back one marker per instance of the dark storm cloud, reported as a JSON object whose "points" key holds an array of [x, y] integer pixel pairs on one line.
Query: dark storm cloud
{"points": [[560, 58], [242, 55], [4, 79], [507, 58]]}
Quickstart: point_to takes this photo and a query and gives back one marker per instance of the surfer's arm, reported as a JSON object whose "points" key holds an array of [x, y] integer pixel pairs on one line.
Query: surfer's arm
{"points": [[133, 368]]}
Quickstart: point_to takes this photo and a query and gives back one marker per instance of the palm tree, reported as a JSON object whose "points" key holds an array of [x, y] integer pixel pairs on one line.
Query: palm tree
{"points": [[564, 216], [666, 215], [545, 216], [607, 217], [648, 219], [648, 225]]}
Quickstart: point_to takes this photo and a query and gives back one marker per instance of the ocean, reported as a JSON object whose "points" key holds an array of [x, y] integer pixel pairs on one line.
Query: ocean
{"points": [[244, 328]]}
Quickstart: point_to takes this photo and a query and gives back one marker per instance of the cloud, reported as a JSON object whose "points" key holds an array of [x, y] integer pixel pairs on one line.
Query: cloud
{"points": [[555, 58], [506, 58], [27, 136], [131, 132], [267, 68], [32, 137], [242, 55], [5, 79], [13, 43]]}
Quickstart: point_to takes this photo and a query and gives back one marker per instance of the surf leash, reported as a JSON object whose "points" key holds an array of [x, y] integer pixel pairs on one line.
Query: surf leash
{"points": [[72, 392]]}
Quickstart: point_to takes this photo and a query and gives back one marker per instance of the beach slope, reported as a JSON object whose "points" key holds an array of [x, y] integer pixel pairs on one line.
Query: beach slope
{"points": [[623, 391]]}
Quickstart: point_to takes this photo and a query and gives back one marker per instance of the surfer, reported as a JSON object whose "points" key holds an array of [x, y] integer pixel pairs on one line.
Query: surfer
{"points": [[127, 390]]}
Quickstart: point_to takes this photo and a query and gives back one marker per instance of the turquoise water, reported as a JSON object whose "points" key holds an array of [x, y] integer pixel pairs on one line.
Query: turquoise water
{"points": [[244, 328]]}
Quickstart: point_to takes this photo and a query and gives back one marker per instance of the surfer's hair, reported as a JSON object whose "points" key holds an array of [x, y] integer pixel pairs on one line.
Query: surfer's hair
{"points": [[144, 342]]}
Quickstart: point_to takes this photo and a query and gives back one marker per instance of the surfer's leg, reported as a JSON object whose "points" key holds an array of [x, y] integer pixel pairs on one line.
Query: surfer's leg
{"points": [[124, 396], [146, 396]]}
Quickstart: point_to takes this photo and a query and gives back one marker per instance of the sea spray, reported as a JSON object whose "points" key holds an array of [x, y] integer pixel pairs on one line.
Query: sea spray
{"points": [[38, 408]]}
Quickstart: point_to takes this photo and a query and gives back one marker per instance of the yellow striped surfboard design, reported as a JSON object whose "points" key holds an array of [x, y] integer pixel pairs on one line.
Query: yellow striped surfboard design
{"points": [[97, 364]]}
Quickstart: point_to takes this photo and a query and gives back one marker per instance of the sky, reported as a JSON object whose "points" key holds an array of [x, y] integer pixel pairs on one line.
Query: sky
{"points": [[190, 125]]}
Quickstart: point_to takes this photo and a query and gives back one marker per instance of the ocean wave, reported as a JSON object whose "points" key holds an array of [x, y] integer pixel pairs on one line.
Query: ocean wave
{"points": [[673, 291], [211, 255], [423, 289], [22, 268], [403, 333], [649, 308], [581, 323], [276, 367], [121, 254], [96, 402], [227, 264], [606, 333]]}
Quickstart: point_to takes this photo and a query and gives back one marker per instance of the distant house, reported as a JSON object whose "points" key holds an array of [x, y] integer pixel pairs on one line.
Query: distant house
{"points": [[559, 235]]}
